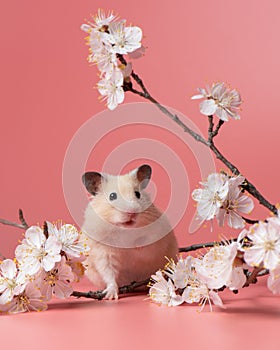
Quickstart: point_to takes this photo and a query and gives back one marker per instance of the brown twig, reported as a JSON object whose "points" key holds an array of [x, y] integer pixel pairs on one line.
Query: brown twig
{"points": [[252, 277], [249, 187], [22, 219], [216, 131], [194, 247], [11, 223], [250, 221], [45, 229], [23, 224], [100, 294], [210, 128]]}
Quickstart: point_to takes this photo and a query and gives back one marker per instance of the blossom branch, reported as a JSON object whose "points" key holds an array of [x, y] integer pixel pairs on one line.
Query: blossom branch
{"points": [[198, 246], [249, 221], [210, 128], [216, 131], [100, 294], [22, 219], [145, 94], [23, 224], [248, 186], [211, 131]]}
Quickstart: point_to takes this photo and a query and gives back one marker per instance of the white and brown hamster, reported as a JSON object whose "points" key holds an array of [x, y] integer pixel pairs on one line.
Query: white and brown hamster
{"points": [[129, 237]]}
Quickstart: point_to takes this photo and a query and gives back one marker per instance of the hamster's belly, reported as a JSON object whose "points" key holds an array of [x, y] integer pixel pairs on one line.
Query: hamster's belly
{"points": [[131, 264]]}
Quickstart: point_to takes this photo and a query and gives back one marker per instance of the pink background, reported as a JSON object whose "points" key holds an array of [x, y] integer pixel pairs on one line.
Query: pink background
{"points": [[47, 94]]}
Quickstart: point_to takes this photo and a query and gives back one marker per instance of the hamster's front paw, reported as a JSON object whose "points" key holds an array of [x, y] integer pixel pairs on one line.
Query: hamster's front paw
{"points": [[111, 292]]}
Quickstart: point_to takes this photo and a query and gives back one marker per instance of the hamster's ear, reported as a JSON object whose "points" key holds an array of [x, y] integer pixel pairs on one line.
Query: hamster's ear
{"points": [[92, 182], [143, 175]]}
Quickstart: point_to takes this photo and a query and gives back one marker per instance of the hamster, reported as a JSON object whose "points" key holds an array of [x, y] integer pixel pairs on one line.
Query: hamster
{"points": [[129, 237]]}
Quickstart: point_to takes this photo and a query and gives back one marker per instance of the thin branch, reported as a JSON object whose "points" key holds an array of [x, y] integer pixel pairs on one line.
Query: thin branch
{"points": [[23, 224], [145, 94], [100, 294], [250, 221], [210, 128], [45, 229], [11, 223], [216, 131], [248, 186], [211, 131], [22, 219], [194, 247]]}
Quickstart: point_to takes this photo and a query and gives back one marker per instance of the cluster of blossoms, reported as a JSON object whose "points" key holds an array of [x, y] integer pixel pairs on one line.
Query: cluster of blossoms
{"points": [[219, 100], [108, 39], [44, 265], [198, 280], [222, 197], [261, 247]]}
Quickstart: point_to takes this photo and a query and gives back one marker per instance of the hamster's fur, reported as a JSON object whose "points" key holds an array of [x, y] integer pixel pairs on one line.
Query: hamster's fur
{"points": [[118, 205]]}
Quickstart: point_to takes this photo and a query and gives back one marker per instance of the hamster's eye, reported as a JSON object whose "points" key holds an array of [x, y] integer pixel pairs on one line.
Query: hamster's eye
{"points": [[113, 196], [137, 194]]}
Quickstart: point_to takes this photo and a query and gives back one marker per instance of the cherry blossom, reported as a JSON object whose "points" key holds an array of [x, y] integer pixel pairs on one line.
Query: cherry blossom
{"points": [[123, 39], [219, 100], [264, 248], [29, 300], [163, 291], [107, 39], [111, 89], [217, 268], [181, 272], [183, 284], [36, 251], [222, 197], [12, 281], [56, 281], [69, 237], [235, 203], [210, 198], [106, 62], [101, 21], [199, 293]]}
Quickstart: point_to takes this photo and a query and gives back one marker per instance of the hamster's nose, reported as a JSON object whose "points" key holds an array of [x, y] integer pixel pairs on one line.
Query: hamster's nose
{"points": [[131, 215]]}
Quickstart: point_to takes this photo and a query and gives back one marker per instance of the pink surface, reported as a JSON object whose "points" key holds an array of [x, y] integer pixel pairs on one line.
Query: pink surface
{"points": [[47, 94], [250, 321]]}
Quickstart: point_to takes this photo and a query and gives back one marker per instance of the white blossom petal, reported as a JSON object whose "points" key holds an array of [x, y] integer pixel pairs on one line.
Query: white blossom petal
{"points": [[8, 269], [35, 236], [214, 296], [222, 114], [208, 107], [197, 97], [237, 278], [6, 296]]}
